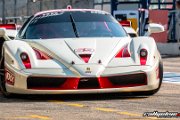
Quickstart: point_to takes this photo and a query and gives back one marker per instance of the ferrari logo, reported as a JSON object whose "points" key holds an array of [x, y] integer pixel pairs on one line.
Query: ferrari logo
{"points": [[84, 50]]}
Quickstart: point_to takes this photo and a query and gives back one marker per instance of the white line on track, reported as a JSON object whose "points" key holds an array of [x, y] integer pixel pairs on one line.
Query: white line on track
{"points": [[171, 77]]}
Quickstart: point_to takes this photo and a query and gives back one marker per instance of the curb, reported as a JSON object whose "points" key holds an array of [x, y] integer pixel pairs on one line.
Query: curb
{"points": [[172, 49]]}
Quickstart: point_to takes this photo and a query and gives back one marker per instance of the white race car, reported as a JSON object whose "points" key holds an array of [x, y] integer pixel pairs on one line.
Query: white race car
{"points": [[72, 51], [11, 30]]}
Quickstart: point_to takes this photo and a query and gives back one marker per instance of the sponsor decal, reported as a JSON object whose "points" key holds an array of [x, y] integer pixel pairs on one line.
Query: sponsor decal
{"points": [[45, 15], [9, 77]]}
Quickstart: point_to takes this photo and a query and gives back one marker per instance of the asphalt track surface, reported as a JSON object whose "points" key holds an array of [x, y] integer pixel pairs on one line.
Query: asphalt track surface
{"points": [[98, 106]]}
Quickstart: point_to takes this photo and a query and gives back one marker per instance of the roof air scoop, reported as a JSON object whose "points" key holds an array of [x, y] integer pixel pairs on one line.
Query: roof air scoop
{"points": [[85, 57]]}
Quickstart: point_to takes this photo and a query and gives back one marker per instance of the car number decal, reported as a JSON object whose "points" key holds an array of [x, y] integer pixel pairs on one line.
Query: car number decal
{"points": [[9, 77]]}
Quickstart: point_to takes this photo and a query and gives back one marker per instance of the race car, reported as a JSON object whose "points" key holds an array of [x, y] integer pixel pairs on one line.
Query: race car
{"points": [[11, 30], [75, 51]]}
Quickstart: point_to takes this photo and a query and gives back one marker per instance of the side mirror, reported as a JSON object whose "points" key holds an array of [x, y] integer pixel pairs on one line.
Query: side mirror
{"points": [[2, 32], [155, 28]]}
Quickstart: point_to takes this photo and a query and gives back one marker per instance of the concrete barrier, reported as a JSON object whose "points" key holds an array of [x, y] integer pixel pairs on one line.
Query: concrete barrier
{"points": [[169, 48]]}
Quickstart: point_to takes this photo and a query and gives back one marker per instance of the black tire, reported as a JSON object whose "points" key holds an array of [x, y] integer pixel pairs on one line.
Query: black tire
{"points": [[152, 92], [2, 82], [3, 89]]}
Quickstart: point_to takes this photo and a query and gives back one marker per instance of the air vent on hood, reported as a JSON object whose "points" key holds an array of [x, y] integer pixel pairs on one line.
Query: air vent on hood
{"points": [[85, 57]]}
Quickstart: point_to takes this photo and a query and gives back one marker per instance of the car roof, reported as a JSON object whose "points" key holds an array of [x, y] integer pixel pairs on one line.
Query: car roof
{"points": [[69, 10]]}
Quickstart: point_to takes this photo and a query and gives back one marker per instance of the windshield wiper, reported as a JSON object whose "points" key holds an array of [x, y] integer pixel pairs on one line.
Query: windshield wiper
{"points": [[74, 25]]}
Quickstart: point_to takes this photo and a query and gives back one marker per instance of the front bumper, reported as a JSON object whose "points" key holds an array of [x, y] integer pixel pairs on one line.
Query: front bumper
{"points": [[12, 89], [71, 83]]}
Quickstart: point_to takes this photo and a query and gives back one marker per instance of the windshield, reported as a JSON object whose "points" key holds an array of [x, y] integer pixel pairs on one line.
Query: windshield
{"points": [[72, 24]]}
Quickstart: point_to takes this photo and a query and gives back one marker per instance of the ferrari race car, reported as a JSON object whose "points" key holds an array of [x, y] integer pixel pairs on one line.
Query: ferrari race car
{"points": [[73, 51]]}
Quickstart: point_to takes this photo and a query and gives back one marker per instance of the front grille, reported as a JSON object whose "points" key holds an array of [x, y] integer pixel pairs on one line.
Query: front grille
{"points": [[88, 83], [52, 83], [129, 80], [42, 82]]}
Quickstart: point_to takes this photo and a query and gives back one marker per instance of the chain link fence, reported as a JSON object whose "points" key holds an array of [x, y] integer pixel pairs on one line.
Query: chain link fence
{"points": [[16, 11]]}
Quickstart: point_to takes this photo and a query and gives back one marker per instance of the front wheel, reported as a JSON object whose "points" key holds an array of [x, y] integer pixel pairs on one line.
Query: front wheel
{"points": [[3, 82], [3, 88]]}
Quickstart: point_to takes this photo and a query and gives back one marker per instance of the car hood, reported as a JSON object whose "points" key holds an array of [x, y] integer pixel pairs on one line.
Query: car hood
{"points": [[69, 50]]}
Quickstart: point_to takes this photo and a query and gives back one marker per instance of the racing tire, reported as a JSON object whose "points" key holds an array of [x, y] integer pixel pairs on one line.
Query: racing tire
{"points": [[152, 92], [3, 83]]}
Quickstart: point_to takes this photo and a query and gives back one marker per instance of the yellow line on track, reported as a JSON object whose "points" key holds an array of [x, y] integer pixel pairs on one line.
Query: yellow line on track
{"points": [[16, 118], [75, 105], [116, 111], [129, 114], [40, 117], [67, 103], [101, 109], [105, 109]]}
